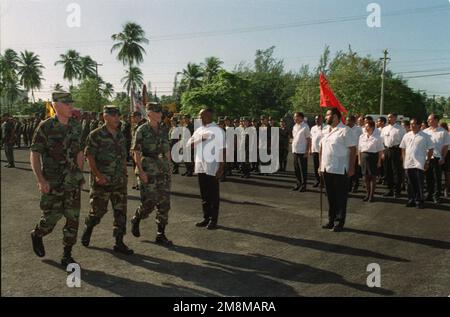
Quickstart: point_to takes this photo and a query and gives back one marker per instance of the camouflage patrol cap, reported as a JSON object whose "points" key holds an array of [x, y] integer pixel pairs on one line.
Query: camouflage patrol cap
{"points": [[153, 106], [64, 97], [111, 110]]}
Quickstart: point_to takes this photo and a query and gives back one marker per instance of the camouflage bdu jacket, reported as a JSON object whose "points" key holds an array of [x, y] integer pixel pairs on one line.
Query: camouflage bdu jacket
{"points": [[110, 154], [59, 145], [153, 146]]}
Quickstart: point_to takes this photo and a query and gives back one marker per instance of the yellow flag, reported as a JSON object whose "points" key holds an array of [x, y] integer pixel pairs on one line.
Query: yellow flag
{"points": [[49, 111]]}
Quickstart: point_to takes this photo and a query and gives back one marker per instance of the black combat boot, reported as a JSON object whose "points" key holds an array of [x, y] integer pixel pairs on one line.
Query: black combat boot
{"points": [[86, 237], [161, 237], [121, 247], [67, 256], [135, 226], [38, 245]]}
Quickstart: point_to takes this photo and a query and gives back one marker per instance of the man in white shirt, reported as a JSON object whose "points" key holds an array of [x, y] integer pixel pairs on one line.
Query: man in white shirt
{"points": [[417, 150], [392, 135], [301, 147], [441, 140], [316, 137], [337, 164], [209, 166]]}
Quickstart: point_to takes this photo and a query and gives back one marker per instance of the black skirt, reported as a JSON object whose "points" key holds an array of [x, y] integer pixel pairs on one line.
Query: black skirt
{"points": [[369, 164]]}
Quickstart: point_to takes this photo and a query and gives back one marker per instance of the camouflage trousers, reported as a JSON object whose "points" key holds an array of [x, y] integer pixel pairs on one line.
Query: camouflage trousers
{"points": [[56, 204], [155, 194], [99, 199]]}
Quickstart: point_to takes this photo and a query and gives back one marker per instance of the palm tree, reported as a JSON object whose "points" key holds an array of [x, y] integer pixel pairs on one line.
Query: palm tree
{"points": [[72, 65], [107, 90], [191, 76], [9, 83], [128, 42], [133, 79], [211, 67], [88, 67], [30, 71]]}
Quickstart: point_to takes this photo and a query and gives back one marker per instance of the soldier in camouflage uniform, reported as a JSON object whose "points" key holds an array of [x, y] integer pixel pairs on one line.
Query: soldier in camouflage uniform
{"points": [[57, 146], [126, 130], [8, 138], [106, 152], [152, 155]]}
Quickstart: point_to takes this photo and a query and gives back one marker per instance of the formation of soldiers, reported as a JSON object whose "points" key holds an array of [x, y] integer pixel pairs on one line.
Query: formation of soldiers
{"points": [[14, 131], [399, 155]]}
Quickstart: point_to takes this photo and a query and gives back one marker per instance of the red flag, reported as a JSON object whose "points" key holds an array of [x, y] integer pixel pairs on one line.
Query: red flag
{"points": [[327, 98]]}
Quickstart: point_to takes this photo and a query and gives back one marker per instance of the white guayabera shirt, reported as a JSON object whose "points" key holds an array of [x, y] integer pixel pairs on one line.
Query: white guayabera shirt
{"points": [[209, 143], [439, 138], [300, 134], [316, 137], [392, 135], [335, 149], [416, 146], [370, 144]]}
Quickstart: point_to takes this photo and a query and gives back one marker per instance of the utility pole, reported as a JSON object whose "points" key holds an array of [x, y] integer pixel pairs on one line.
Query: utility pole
{"points": [[385, 58], [98, 82]]}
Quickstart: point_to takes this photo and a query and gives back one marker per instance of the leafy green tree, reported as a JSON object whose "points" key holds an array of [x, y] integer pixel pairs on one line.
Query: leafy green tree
{"points": [[133, 79], [87, 96], [211, 68], [88, 67]]}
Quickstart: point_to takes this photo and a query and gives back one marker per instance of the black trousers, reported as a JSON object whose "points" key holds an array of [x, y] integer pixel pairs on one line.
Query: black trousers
{"points": [[337, 193], [209, 191], [434, 179], [393, 171], [300, 167], [415, 185], [316, 166]]}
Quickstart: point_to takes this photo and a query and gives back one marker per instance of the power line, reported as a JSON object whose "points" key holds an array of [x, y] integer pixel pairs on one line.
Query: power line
{"points": [[192, 35], [430, 75]]}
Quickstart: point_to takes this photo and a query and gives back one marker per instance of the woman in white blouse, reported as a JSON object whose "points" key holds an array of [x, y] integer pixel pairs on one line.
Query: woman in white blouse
{"points": [[370, 148]]}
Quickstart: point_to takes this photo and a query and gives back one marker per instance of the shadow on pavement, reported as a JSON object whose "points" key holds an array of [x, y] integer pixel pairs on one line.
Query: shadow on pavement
{"points": [[428, 242], [126, 287], [224, 281], [318, 245]]}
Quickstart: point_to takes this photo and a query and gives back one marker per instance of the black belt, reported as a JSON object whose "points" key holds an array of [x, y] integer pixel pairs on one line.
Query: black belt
{"points": [[394, 147]]}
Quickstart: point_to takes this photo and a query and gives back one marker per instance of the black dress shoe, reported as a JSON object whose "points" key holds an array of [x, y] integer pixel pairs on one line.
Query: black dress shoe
{"points": [[295, 188], [302, 190], [371, 199], [338, 228], [212, 226], [202, 224], [328, 226], [366, 198], [122, 248], [316, 185]]}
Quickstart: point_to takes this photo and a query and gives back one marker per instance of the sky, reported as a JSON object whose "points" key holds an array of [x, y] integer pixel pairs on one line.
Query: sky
{"points": [[415, 32]]}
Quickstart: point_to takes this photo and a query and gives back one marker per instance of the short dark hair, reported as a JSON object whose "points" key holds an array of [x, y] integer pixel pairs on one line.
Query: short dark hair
{"points": [[435, 116], [335, 111], [369, 118], [382, 119], [371, 123], [418, 121], [300, 114], [406, 122], [210, 110]]}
